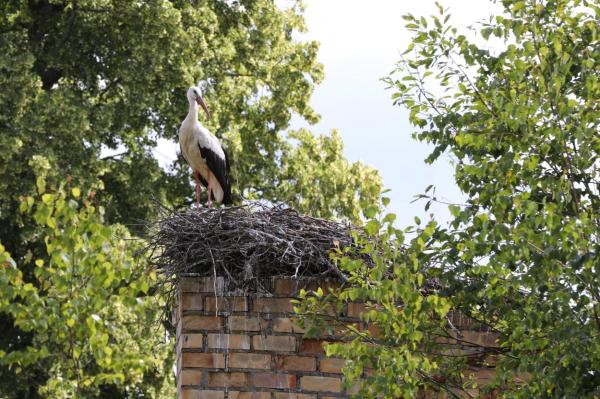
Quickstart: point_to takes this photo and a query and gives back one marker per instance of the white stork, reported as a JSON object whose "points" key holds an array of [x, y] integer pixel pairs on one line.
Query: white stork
{"points": [[202, 150]]}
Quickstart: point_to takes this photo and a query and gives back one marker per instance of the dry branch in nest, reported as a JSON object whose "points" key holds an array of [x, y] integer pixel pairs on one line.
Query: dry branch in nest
{"points": [[247, 244]]}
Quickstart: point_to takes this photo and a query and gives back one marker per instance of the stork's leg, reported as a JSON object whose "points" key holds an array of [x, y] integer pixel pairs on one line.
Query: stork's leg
{"points": [[209, 188], [198, 187]]}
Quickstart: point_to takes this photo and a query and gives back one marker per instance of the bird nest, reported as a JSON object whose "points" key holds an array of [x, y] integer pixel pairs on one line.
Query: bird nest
{"points": [[247, 244]]}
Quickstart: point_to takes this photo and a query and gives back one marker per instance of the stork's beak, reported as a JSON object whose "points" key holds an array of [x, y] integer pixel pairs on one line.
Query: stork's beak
{"points": [[201, 103]]}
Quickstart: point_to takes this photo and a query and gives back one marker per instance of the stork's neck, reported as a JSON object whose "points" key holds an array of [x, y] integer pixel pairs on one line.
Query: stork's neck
{"points": [[193, 111]]}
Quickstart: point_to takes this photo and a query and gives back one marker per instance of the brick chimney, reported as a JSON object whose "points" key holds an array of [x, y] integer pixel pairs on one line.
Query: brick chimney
{"points": [[248, 347]]}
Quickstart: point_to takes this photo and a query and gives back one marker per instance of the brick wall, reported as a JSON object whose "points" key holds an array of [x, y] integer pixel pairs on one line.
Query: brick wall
{"points": [[248, 347]]}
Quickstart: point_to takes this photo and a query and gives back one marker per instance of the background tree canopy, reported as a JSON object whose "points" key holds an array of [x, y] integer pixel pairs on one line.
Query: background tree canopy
{"points": [[520, 256], [80, 77]]}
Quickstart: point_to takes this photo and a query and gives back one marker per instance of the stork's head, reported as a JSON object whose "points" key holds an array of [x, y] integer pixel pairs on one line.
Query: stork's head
{"points": [[194, 95]]}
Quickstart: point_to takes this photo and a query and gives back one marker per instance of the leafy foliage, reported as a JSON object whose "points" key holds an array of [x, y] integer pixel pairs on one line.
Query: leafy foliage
{"points": [[80, 78], [317, 180], [521, 254], [401, 343], [88, 311]]}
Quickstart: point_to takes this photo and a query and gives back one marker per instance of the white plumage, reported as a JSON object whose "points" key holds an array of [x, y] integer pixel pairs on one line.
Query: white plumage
{"points": [[204, 153]]}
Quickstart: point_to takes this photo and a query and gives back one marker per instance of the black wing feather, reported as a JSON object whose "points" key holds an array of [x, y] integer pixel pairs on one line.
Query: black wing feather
{"points": [[220, 168]]}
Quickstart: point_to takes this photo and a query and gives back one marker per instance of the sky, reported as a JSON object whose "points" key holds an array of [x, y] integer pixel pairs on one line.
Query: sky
{"points": [[358, 46]]}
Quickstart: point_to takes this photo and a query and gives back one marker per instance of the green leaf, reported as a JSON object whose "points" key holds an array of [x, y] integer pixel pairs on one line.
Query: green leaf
{"points": [[389, 218], [40, 184], [454, 210], [371, 211], [372, 227]]}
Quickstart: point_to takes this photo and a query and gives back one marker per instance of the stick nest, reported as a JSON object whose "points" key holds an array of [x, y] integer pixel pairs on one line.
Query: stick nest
{"points": [[247, 244]]}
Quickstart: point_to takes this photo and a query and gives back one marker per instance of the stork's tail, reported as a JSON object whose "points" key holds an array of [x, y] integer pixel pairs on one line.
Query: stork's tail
{"points": [[227, 195]]}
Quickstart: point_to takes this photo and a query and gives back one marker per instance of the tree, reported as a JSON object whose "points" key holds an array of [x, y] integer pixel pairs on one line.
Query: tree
{"points": [[81, 77], [520, 256], [91, 321], [317, 180]]}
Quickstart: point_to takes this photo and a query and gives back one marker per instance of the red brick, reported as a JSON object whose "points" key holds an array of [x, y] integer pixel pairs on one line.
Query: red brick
{"points": [[205, 360], [287, 286], [295, 363], [285, 395], [191, 341], [220, 379], [375, 331], [273, 305], [190, 377], [209, 284], [228, 341], [280, 343], [461, 321], [356, 309], [272, 380], [189, 285], [249, 361], [242, 323], [191, 301], [194, 322], [486, 339], [201, 394], [331, 365], [312, 346], [481, 375], [249, 395], [230, 304], [321, 384], [285, 324]]}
